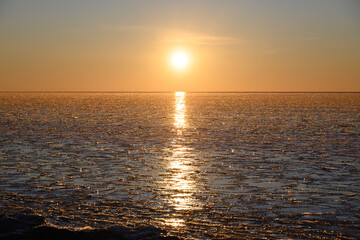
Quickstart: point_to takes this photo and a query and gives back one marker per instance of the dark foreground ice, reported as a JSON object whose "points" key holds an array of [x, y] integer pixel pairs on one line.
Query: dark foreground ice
{"points": [[26, 224]]}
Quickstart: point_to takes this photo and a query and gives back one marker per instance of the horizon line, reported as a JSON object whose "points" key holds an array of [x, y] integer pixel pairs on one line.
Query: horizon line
{"points": [[179, 91]]}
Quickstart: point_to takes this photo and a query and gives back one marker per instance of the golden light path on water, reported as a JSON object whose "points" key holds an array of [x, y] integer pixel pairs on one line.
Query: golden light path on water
{"points": [[180, 184], [180, 108]]}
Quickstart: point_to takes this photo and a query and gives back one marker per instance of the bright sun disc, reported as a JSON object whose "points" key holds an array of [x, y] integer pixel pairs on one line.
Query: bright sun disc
{"points": [[179, 60]]}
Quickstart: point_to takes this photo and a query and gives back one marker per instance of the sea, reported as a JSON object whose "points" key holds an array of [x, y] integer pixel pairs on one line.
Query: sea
{"points": [[195, 165]]}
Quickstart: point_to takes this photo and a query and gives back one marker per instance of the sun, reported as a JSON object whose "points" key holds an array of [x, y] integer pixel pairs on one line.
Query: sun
{"points": [[179, 60]]}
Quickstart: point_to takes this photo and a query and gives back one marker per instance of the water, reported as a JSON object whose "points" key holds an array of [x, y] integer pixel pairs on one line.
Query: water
{"points": [[198, 165]]}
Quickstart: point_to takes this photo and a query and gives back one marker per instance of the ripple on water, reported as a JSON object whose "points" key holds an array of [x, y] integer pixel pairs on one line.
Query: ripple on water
{"points": [[197, 165]]}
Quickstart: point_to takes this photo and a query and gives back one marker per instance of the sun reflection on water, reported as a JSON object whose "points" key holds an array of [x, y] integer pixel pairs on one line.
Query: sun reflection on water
{"points": [[180, 108], [180, 183]]}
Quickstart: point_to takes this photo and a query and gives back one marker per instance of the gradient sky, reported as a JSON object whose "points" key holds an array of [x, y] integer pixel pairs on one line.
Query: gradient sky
{"points": [[244, 45]]}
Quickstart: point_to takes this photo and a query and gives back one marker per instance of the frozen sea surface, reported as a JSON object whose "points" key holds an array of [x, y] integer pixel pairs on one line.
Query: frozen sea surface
{"points": [[197, 165]]}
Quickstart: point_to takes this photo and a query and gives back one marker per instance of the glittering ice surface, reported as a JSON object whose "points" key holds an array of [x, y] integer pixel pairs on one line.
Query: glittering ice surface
{"points": [[197, 165]]}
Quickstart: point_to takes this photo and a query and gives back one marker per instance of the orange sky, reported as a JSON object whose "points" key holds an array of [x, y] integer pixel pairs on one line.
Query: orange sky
{"points": [[244, 45]]}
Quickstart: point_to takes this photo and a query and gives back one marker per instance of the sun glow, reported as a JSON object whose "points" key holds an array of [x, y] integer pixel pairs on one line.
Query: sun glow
{"points": [[180, 60]]}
